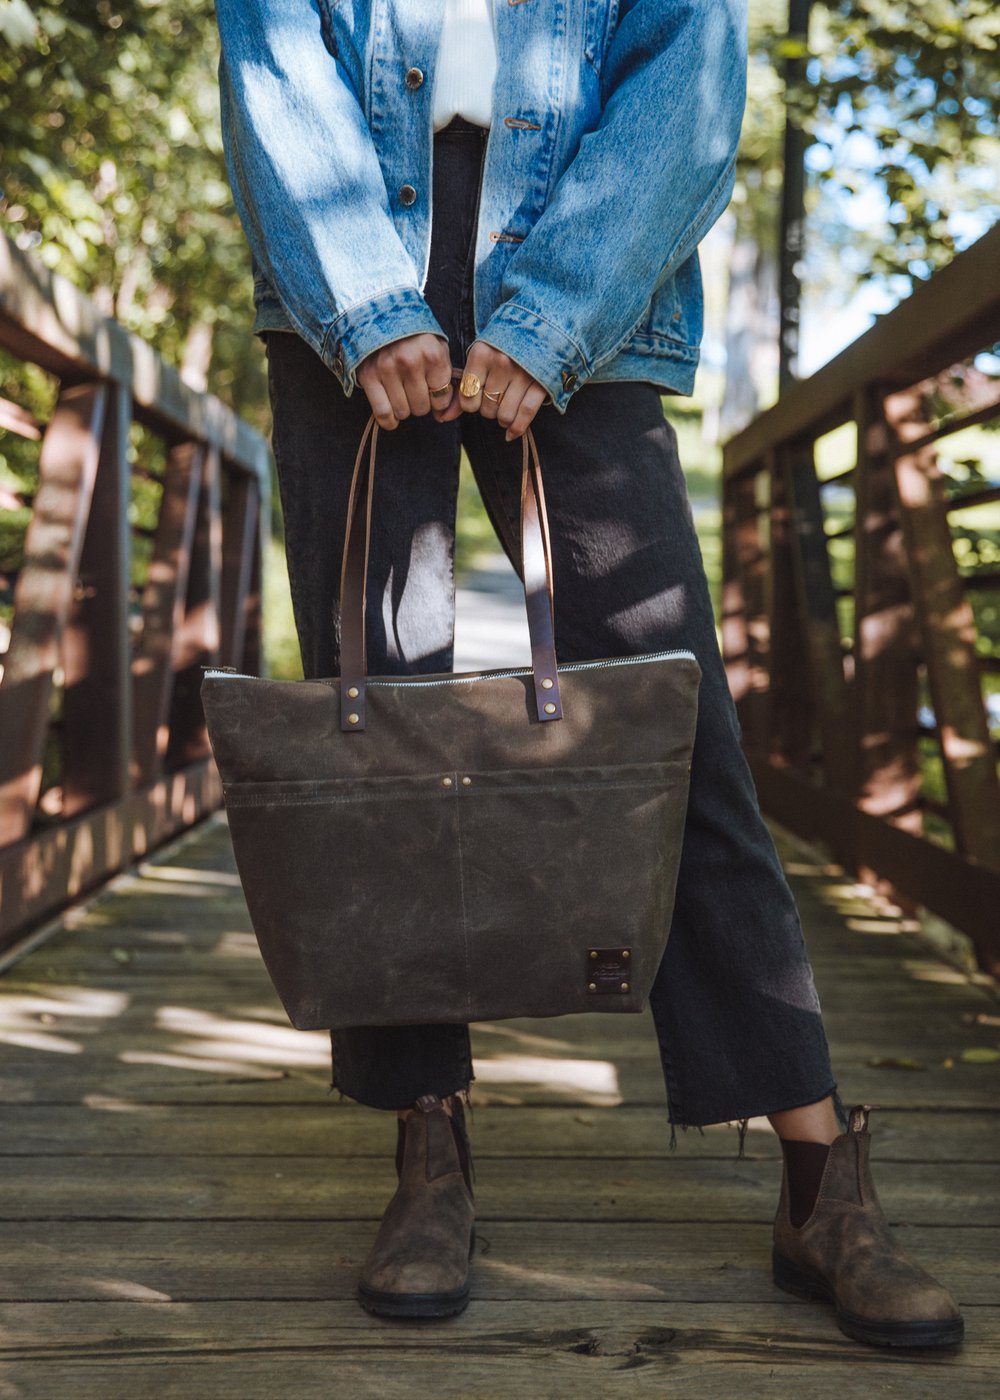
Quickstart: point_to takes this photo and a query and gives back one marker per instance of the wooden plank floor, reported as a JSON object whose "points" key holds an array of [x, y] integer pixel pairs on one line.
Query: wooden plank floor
{"points": [[183, 1203]]}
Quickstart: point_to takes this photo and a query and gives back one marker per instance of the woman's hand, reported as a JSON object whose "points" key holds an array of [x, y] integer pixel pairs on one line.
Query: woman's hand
{"points": [[398, 378], [499, 374]]}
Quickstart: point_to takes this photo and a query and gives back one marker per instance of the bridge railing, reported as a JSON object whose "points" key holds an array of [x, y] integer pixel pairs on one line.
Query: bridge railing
{"points": [[103, 749], [861, 599]]}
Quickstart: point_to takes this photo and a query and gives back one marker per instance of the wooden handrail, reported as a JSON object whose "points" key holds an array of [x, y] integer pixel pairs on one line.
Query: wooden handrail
{"points": [[829, 722], [49, 322], [134, 760], [951, 316]]}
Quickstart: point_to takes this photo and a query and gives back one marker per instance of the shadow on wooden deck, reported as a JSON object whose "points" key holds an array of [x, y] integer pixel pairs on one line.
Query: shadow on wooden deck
{"points": [[184, 1204]]}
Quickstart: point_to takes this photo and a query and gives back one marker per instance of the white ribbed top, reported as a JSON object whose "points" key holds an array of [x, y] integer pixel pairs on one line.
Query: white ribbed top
{"points": [[466, 64]]}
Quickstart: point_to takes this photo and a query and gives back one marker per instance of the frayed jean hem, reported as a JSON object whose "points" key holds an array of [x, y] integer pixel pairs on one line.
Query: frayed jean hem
{"points": [[743, 1124]]}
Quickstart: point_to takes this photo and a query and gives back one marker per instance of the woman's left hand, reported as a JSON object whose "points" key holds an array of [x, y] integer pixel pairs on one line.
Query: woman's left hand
{"points": [[498, 374]]}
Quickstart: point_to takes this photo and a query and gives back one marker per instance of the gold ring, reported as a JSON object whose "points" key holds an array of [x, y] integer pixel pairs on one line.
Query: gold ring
{"points": [[470, 386], [494, 398], [445, 389]]}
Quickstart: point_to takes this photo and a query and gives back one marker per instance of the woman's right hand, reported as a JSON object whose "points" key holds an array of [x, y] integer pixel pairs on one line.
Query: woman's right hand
{"points": [[398, 378]]}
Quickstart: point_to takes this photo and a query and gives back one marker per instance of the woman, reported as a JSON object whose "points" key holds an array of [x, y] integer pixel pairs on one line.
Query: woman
{"points": [[518, 193]]}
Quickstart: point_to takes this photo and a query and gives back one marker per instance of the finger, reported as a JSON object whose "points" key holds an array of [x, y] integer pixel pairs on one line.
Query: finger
{"points": [[532, 401], [439, 375], [414, 363], [438, 364], [477, 363], [497, 384], [414, 381], [379, 403], [517, 388], [395, 392], [454, 409]]}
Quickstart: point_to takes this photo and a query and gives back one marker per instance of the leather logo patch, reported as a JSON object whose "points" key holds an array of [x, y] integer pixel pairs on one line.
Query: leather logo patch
{"points": [[609, 971]]}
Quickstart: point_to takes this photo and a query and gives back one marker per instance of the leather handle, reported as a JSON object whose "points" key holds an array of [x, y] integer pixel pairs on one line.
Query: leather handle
{"points": [[536, 566], [536, 554], [353, 585]]}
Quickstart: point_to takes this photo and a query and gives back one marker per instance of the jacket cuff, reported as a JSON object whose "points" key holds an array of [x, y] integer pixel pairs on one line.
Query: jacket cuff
{"points": [[364, 328], [539, 347]]}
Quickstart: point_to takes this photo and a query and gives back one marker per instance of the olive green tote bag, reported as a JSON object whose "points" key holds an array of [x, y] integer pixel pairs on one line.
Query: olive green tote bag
{"points": [[459, 847]]}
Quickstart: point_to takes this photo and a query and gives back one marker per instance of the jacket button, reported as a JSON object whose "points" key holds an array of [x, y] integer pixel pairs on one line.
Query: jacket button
{"points": [[414, 77], [338, 362], [569, 380], [407, 194]]}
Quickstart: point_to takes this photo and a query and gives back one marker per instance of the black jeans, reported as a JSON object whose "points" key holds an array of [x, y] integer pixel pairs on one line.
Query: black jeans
{"points": [[735, 1007]]}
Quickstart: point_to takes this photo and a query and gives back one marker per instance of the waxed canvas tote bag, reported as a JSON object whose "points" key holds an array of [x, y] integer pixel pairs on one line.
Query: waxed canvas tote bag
{"points": [[458, 847]]}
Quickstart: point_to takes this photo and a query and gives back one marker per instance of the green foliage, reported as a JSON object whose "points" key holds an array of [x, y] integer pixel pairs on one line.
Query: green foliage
{"points": [[34, 391], [905, 95], [284, 660], [759, 174], [111, 151], [902, 101], [113, 171]]}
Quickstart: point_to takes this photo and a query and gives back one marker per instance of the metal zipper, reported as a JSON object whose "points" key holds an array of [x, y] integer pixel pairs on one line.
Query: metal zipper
{"points": [[226, 673]]}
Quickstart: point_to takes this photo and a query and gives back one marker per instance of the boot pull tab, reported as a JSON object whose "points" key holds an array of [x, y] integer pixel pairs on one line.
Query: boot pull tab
{"points": [[858, 1122], [427, 1103]]}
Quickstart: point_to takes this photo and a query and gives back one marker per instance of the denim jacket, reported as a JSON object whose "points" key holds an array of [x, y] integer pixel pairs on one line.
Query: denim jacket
{"points": [[610, 155]]}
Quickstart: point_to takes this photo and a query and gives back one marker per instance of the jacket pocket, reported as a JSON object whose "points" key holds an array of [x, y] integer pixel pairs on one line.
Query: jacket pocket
{"points": [[675, 309], [665, 319]]}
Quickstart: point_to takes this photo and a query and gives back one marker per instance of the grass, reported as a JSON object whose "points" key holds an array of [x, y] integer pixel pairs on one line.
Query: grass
{"points": [[281, 646]]}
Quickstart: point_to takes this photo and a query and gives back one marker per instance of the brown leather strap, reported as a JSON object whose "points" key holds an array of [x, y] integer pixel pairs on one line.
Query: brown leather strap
{"points": [[536, 554], [353, 585]]}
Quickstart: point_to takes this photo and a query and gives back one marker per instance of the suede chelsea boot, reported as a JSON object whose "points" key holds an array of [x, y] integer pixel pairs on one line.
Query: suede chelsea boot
{"points": [[419, 1263], [846, 1253]]}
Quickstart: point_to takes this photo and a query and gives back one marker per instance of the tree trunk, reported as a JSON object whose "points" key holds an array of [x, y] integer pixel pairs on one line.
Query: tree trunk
{"points": [[197, 357], [751, 332]]}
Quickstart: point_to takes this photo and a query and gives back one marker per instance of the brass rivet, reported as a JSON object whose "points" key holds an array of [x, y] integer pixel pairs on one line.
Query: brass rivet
{"points": [[547, 683], [594, 954], [353, 692], [353, 718], [446, 782], [466, 782], [626, 953], [550, 709], [592, 987], [624, 986]]}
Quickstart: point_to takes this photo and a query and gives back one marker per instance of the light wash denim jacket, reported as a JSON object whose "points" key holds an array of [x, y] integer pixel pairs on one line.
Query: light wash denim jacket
{"points": [[610, 155]]}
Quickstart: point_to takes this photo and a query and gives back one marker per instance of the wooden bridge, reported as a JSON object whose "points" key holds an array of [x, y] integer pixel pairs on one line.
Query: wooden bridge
{"points": [[183, 1203], [861, 645]]}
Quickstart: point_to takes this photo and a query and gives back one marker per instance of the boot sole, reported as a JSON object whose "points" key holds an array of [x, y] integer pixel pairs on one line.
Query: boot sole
{"points": [[416, 1304], [413, 1304], [934, 1332]]}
